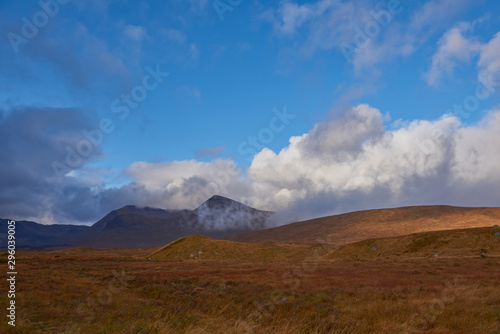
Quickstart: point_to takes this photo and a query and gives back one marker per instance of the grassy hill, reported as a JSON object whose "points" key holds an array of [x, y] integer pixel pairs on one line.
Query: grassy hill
{"points": [[197, 247], [475, 242], [357, 226]]}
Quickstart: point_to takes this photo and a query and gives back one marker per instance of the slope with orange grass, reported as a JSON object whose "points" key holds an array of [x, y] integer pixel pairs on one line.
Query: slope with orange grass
{"points": [[362, 225], [203, 248], [476, 242]]}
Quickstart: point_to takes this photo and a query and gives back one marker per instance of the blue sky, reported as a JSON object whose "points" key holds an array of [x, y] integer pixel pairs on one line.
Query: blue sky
{"points": [[233, 67]]}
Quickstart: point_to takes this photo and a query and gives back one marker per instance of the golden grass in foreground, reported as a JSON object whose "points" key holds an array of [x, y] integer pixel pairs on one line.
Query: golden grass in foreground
{"points": [[120, 291]]}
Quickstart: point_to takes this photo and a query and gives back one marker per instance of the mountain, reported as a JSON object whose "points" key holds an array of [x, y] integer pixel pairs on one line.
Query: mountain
{"points": [[223, 214], [33, 235], [362, 225], [133, 226], [223, 218]]}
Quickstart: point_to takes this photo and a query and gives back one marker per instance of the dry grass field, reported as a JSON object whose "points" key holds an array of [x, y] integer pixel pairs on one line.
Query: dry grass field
{"points": [[308, 289]]}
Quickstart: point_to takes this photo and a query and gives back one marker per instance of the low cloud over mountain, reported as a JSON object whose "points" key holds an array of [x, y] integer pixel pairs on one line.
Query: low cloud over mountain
{"points": [[357, 161]]}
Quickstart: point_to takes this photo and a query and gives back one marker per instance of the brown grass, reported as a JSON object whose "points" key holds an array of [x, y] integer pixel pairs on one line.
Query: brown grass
{"points": [[197, 247], [120, 291], [477, 242]]}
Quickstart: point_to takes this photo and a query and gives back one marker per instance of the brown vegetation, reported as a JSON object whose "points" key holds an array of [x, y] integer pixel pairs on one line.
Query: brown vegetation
{"points": [[81, 290], [203, 248]]}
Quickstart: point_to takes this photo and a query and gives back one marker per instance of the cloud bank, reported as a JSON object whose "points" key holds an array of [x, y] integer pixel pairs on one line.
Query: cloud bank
{"points": [[354, 162]]}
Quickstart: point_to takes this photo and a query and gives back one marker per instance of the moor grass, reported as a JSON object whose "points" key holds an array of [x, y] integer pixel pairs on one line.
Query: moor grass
{"points": [[121, 291]]}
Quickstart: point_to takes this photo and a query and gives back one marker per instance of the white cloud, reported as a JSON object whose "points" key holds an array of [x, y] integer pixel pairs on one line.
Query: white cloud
{"points": [[329, 24], [489, 61], [348, 163], [351, 163], [435, 12], [453, 49], [292, 16], [185, 184]]}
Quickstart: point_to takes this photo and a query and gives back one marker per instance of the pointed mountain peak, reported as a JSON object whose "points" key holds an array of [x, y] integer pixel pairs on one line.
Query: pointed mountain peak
{"points": [[221, 202]]}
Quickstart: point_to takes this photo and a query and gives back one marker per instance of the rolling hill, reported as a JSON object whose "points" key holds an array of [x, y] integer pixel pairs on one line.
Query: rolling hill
{"points": [[197, 247], [362, 225], [474, 242]]}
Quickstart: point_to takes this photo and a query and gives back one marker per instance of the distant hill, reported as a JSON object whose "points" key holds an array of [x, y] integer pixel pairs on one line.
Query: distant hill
{"points": [[133, 226], [197, 247], [362, 225], [476, 242], [33, 235]]}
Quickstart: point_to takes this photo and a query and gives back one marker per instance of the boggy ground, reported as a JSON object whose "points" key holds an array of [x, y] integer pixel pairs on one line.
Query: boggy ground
{"points": [[121, 291]]}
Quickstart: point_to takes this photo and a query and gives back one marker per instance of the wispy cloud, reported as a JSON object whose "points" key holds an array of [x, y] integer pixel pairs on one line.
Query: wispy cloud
{"points": [[327, 24], [135, 33], [458, 46], [210, 152], [454, 48], [174, 35]]}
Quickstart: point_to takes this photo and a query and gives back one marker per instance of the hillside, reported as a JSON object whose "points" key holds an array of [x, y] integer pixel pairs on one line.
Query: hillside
{"points": [[132, 226], [475, 242], [33, 235], [362, 225], [197, 247]]}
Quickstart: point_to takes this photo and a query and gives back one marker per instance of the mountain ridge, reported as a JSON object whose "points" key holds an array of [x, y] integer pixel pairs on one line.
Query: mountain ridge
{"points": [[134, 226], [219, 217]]}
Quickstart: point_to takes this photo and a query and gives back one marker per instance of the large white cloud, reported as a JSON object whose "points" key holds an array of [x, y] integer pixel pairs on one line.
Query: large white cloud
{"points": [[185, 184], [353, 162], [353, 153], [357, 161]]}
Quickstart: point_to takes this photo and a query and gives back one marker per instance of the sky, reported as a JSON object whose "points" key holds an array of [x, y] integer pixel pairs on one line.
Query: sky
{"points": [[306, 108]]}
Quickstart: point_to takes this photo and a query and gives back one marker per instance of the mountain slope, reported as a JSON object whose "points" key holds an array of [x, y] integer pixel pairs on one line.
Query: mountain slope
{"points": [[224, 214], [357, 226], [31, 234], [132, 226]]}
